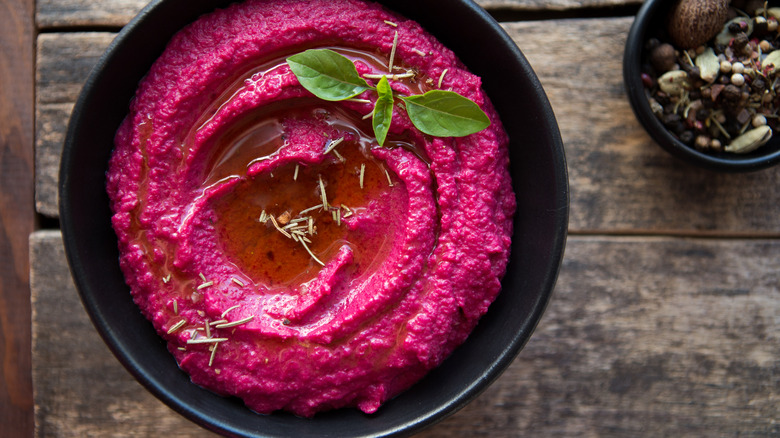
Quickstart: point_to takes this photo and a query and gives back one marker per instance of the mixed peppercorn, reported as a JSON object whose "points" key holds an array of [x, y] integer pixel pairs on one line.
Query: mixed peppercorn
{"points": [[723, 95]]}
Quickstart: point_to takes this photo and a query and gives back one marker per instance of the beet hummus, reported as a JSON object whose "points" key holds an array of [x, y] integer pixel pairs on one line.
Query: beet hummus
{"points": [[285, 257]]}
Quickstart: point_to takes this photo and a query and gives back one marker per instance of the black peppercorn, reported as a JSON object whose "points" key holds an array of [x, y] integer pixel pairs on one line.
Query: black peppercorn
{"points": [[686, 137], [735, 27]]}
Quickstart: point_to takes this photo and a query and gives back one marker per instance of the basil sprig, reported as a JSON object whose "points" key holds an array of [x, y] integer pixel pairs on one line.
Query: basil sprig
{"points": [[440, 113]]}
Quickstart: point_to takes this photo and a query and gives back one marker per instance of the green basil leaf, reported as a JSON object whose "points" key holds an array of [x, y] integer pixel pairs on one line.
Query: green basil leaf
{"points": [[327, 74], [383, 110], [444, 113]]}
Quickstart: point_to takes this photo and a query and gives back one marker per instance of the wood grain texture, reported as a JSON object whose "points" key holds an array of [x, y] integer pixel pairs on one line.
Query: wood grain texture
{"points": [[646, 337], [52, 14], [71, 13], [652, 337], [64, 63], [621, 181], [17, 214]]}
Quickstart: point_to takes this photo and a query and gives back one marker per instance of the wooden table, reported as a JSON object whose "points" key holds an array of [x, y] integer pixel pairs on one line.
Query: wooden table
{"points": [[666, 316]]}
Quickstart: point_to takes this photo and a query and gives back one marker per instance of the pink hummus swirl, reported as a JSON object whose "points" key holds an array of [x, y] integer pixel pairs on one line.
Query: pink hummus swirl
{"points": [[223, 150]]}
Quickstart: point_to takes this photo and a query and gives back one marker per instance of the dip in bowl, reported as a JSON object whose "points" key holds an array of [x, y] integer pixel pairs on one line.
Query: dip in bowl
{"points": [[207, 274]]}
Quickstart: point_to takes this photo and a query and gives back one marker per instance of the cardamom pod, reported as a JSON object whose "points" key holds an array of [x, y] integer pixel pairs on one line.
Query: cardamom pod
{"points": [[708, 64], [750, 140], [674, 82], [772, 12], [725, 36], [773, 59]]}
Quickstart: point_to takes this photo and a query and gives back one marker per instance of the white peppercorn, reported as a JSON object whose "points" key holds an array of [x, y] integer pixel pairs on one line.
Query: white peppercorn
{"points": [[758, 120]]}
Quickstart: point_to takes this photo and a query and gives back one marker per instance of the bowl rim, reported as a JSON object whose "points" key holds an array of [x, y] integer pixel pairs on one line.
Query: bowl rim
{"points": [[632, 62], [557, 217]]}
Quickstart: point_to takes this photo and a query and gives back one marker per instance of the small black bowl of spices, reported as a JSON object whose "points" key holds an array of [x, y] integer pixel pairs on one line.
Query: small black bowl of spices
{"points": [[703, 78]]}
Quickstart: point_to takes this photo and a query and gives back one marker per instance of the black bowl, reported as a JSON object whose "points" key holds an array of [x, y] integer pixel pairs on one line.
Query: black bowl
{"points": [[540, 181], [650, 22]]}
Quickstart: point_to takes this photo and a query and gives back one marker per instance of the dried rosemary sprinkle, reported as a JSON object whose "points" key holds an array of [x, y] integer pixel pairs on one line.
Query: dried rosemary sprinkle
{"points": [[441, 78], [333, 144], [322, 193], [310, 209], [357, 100], [290, 225], [202, 277], [263, 217], [213, 349], [219, 321], [276, 225], [177, 326], [176, 307], [167, 278], [298, 220], [207, 328], [206, 340], [235, 323], [392, 52], [418, 51], [229, 309], [311, 253], [389, 181], [237, 281], [205, 285], [394, 77], [390, 23], [298, 228], [295, 174], [362, 173]]}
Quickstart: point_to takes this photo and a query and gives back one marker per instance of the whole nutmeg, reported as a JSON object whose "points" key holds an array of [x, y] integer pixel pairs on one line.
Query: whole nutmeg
{"points": [[693, 22], [663, 58]]}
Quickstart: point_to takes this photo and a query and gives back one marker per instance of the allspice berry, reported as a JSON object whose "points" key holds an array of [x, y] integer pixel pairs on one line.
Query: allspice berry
{"points": [[663, 58], [693, 22], [731, 93]]}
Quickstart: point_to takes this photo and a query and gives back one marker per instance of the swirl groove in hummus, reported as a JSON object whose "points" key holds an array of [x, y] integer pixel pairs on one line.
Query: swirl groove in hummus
{"points": [[285, 257]]}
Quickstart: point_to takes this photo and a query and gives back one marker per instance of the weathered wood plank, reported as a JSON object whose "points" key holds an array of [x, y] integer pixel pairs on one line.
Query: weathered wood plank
{"points": [[69, 13], [553, 5], [17, 213], [52, 14], [621, 181], [654, 337], [645, 337], [64, 63]]}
